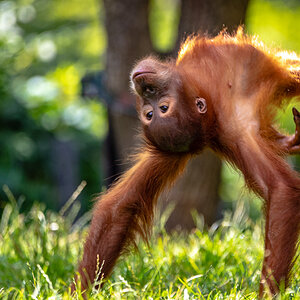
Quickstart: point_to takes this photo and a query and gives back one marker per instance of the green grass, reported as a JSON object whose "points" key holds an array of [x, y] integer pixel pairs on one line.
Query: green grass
{"points": [[39, 251]]}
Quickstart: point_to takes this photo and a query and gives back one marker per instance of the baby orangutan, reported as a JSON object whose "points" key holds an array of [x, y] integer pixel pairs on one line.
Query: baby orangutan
{"points": [[220, 93]]}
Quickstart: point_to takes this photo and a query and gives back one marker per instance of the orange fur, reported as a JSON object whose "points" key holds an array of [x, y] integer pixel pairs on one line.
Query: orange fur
{"points": [[220, 93], [252, 82], [127, 209]]}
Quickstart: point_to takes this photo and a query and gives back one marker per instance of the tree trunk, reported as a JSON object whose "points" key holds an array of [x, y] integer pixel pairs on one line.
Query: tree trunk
{"points": [[206, 16], [65, 163], [198, 188], [128, 39]]}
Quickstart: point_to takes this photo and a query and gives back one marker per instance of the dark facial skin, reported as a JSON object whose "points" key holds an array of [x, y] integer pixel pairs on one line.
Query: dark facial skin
{"points": [[163, 109]]}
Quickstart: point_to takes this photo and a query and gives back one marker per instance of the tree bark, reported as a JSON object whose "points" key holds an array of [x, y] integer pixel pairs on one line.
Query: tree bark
{"points": [[128, 39], [65, 168], [196, 190], [206, 16]]}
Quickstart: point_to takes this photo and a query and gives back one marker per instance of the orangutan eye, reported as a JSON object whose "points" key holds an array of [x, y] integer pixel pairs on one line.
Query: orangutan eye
{"points": [[164, 108], [149, 115]]}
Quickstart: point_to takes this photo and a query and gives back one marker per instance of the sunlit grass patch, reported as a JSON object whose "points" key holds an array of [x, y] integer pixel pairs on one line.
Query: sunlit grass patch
{"points": [[39, 251]]}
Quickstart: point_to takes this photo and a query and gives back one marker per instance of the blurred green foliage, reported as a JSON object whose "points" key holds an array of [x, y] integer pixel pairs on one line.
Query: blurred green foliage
{"points": [[164, 19], [276, 22], [51, 44], [45, 49]]}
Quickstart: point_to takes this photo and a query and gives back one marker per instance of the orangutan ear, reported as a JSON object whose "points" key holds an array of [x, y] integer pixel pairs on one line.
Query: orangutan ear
{"points": [[201, 104]]}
